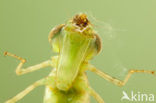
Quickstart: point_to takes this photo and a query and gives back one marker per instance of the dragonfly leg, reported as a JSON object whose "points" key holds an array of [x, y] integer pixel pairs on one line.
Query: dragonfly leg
{"points": [[27, 90], [20, 70], [117, 81], [93, 93]]}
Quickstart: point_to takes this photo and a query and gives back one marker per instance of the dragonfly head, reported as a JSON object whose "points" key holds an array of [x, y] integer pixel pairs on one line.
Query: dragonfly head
{"points": [[76, 43]]}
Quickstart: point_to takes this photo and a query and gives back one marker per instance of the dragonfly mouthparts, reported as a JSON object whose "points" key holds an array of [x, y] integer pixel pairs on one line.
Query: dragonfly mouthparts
{"points": [[80, 20]]}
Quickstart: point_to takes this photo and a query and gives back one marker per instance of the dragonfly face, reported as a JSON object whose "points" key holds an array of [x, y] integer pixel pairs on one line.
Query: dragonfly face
{"points": [[75, 43]]}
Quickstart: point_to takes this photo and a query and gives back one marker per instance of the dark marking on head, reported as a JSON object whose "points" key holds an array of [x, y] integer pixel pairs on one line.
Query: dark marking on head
{"points": [[152, 72], [5, 53], [81, 20], [98, 43]]}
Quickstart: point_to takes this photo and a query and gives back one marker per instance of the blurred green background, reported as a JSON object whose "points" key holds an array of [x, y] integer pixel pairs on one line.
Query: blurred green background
{"points": [[127, 29]]}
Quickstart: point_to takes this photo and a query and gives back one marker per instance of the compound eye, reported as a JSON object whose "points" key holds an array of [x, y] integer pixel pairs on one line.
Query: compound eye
{"points": [[55, 37], [98, 43], [55, 31], [94, 48]]}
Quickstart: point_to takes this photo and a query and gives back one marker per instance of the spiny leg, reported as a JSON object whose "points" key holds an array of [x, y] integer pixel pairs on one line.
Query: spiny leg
{"points": [[20, 70], [95, 95], [27, 90], [117, 81]]}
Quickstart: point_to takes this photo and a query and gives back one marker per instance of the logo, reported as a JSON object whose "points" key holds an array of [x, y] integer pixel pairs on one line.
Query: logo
{"points": [[138, 96]]}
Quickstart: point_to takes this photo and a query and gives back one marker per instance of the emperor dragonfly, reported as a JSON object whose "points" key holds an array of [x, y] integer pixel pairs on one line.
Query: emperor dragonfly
{"points": [[76, 43]]}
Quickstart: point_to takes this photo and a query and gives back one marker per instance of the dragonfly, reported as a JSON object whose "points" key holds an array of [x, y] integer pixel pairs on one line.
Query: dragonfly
{"points": [[76, 43]]}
